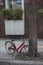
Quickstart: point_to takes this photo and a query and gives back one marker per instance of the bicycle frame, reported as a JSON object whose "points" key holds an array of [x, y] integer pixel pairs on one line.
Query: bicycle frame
{"points": [[21, 45], [22, 49]]}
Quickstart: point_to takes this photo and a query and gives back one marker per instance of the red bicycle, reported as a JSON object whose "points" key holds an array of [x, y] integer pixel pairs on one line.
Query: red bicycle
{"points": [[22, 49]]}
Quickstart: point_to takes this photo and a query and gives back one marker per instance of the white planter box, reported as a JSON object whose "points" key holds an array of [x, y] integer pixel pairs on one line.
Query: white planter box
{"points": [[13, 27]]}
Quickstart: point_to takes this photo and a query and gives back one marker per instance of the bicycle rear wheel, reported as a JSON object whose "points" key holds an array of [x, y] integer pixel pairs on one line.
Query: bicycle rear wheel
{"points": [[9, 46], [25, 55]]}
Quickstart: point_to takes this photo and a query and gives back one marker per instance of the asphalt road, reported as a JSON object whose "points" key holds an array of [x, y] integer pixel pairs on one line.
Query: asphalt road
{"points": [[3, 50]]}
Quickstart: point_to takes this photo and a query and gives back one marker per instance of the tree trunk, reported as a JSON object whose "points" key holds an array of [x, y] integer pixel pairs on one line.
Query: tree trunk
{"points": [[32, 28]]}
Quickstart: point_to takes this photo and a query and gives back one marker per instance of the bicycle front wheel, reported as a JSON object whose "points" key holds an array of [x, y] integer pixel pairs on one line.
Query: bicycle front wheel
{"points": [[9, 46]]}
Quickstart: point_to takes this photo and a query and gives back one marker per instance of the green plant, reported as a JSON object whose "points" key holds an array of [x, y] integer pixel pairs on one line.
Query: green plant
{"points": [[12, 14], [18, 14], [41, 11]]}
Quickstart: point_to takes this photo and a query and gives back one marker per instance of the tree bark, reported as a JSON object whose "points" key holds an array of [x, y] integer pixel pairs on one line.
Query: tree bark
{"points": [[32, 27]]}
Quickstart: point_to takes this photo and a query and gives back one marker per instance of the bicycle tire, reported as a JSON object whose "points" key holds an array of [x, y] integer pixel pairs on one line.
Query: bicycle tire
{"points": [[24, 56], [9, 51]]}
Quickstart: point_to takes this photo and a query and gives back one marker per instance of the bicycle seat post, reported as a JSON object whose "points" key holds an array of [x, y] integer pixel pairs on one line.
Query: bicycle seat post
{"points": [[23, 40]]}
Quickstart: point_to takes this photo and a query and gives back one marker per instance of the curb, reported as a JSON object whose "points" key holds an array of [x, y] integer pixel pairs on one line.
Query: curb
{"points": [[20, 62]]}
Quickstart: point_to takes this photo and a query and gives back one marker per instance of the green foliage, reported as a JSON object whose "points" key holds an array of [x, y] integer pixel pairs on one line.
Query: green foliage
{"points": [[41, 11], [18, 14], [12, 14]]}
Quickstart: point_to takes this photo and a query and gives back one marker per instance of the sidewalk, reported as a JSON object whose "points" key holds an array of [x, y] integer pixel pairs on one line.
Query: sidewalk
{"points": [[11, 61], [35, 61], [5, 56]]}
